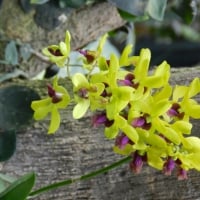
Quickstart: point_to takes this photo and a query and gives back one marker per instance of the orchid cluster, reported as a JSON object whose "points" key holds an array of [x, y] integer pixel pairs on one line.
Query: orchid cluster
{"points": [[147, 117]]}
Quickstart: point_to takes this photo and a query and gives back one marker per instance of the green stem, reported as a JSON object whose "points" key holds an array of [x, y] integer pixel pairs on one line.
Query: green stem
{"points": [[68, 71], [84, 177], [75, 65]]}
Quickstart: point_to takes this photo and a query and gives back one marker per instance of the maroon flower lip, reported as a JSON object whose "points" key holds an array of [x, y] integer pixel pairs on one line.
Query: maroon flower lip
{"points": [[122, 140], [101, 119], [56, 52], [137, 162], [174, 111], [141, 122], [56, 97], [90, 55]]}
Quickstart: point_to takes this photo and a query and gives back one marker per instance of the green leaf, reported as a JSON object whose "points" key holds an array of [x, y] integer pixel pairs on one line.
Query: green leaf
{"points": [[133, 7], [7, 144], [19, 189], [5, 180], [11, 54], [25, 52], [156, 9], [39, 1], [15, 108], [72, 3], [185, 10], [132, 18]]}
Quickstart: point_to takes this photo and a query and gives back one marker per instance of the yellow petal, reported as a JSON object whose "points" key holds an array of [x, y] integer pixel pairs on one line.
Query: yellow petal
{"points": [[80, 109]]}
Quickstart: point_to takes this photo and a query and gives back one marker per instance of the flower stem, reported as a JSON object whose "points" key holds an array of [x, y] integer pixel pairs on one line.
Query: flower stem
{"points": [[84, 177], [68, 71]]}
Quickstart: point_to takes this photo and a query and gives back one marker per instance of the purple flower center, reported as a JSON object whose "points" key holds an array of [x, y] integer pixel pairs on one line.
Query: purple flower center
{"points": [[138, 122], [121, 141], [90, 55], [169, 166], [83, 93], [137, 162], [100, 119], [174, 111], [55, 52], [182, 174], [129, 81], [141, 122], [55, 96]]}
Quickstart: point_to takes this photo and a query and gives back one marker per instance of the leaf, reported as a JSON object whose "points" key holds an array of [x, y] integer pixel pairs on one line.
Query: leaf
{"points": [[133, 7], [11, 54], [39, 1], [185, 10], [15, 107], [132, 18], [5, 180], [72, 3], [7, 144], [156, 9], [25, 52], [19, 189]]}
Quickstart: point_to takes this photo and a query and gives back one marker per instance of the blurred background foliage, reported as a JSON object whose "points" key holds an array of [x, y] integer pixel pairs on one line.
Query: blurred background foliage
{"points": [[170, 28]]}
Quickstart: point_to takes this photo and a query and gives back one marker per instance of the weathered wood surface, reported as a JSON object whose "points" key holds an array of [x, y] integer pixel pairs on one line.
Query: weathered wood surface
{"points": [[77, 149]]}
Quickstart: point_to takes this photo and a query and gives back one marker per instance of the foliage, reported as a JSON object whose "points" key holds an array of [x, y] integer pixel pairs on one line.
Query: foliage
{"points": [[136, 10], [12, 55], [19, 189]]}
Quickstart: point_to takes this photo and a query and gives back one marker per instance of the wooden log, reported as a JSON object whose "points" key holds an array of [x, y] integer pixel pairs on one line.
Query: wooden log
{"points": [[77, 149]]}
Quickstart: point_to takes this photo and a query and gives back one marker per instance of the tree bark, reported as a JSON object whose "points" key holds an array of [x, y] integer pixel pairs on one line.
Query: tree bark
{"points": [[77, 149]]}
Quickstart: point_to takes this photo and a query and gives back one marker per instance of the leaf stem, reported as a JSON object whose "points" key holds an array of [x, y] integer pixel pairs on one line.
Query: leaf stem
{"points": [[84, 177]]}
